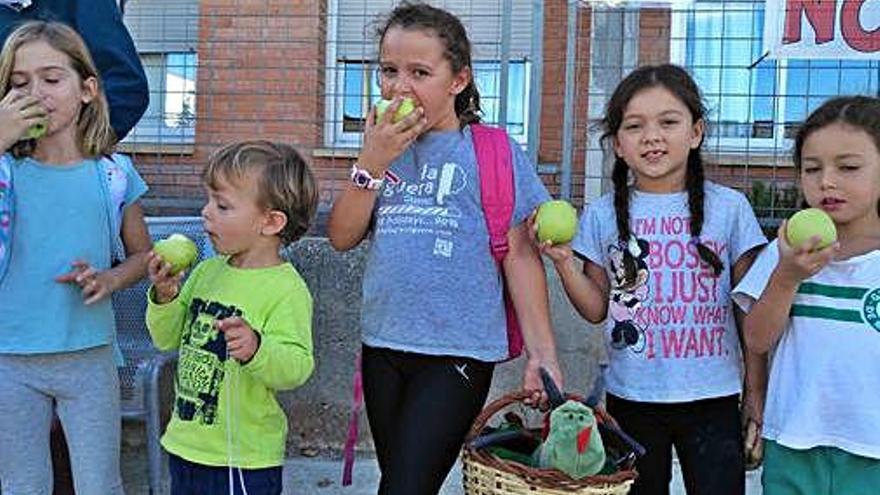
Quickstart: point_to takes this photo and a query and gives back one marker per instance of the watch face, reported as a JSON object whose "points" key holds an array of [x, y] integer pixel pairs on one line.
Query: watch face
{"points": [[361, 180]]}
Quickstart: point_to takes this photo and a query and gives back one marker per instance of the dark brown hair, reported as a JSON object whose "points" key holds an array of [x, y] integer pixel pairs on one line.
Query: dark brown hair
{"points": [[861, 112], [678, 82], [451, 32]]}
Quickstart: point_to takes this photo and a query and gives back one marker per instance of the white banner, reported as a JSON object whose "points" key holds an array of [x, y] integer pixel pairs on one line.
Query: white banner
{"points": [[831, 29]]}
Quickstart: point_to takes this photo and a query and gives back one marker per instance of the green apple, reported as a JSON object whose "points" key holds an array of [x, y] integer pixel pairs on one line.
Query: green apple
{"points": [[557, 222], [37, 130], [178, 250], [805, 224], [406, 107]]}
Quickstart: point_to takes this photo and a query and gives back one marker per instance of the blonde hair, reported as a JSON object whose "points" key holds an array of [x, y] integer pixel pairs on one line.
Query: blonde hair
{"points": [[285, 181], [94, 134]]}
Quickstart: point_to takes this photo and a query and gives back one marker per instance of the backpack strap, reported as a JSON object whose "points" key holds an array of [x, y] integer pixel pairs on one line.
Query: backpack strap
{"points": [[495, 165], [357, 404]]}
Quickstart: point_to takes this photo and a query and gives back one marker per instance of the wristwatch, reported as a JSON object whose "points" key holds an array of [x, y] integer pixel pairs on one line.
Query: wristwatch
{"points": [[362, 179]]}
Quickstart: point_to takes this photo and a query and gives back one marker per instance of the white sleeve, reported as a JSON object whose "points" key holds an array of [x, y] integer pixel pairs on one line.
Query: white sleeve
{"points": [[752, 285]]}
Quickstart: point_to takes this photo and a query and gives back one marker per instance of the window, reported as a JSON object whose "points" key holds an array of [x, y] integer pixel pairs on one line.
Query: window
{"points": [[165, 33], [488, 76], [809, 83], [170, 116], [360, 90], [755, 102]]}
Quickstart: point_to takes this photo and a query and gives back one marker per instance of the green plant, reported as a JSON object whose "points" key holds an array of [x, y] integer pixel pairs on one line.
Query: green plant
{"points": [[774, 200]]}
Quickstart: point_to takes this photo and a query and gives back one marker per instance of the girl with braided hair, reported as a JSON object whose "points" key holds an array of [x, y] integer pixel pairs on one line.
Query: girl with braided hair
{"points": [[660, 256]]}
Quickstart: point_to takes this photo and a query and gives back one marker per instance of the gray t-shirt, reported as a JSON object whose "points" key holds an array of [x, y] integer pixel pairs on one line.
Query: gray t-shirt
{"points": [[671, 334], [431, 285]]}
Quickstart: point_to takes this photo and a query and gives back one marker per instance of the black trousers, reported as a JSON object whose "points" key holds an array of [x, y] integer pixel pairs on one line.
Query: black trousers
{"points": [[420, 408], [707, 437]]}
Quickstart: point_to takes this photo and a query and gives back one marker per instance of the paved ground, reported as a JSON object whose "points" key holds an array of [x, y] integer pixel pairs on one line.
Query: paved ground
{"points": [[321, 476]]}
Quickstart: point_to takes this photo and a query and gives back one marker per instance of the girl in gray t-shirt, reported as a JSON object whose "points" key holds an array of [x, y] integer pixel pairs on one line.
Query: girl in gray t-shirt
{"points": [[433, 321], [661, 253]]}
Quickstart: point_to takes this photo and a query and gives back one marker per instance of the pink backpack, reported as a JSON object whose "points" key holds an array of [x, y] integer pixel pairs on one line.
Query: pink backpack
{"points": [[495, 164]]}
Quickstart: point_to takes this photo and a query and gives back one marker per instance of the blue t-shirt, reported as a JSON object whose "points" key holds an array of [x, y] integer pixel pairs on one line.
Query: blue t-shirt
{"points": [[431, 285], [61, 216]]}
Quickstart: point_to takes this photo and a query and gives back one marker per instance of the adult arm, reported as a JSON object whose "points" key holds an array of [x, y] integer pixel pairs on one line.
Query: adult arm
{"points": [[100, 24]]}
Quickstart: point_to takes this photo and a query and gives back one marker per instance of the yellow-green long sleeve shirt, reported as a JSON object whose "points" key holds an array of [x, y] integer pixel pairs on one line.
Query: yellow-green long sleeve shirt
{"points": [[225, 412]]}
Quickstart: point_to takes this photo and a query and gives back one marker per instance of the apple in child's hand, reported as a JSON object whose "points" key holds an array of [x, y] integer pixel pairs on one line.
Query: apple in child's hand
{"points": [[557, 221], [406, 107], [37, 130], [177, 250], [805, 224]]}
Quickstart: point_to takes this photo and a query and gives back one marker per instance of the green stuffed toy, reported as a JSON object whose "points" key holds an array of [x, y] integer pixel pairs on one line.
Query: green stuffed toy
{"points": [[573, 444]]}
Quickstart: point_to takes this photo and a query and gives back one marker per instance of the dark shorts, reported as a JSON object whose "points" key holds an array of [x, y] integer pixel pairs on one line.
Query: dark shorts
{"points": [[189, 478], [707, 437]]}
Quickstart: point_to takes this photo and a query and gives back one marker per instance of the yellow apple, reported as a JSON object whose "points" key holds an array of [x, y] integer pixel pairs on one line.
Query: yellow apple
{"points": [[557, 222], [37, 130], [178, 250], [406, 107], [805, 224]]}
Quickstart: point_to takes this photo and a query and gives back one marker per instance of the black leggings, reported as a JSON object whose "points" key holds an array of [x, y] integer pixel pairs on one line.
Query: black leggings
{"points": [[420, 409], [707, 437]]}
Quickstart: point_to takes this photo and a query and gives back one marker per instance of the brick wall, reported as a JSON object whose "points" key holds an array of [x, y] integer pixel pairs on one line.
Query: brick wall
{"points": [[553, 95], [261, 69], [654, 36]]}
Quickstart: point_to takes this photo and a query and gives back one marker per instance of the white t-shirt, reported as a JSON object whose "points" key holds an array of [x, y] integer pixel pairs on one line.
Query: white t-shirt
{"points": [[824, 385], [671, 335]]}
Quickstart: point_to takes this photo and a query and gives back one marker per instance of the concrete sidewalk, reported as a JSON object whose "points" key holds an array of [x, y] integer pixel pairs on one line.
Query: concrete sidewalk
{"points": [[300, 479], [302, 475], [321, 476]]}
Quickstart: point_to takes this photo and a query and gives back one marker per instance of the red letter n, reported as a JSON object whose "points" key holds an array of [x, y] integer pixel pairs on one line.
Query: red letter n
{"points": [[820, 15]]}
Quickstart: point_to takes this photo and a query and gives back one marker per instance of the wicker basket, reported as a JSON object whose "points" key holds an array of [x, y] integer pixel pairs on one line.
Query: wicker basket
{"points": [[485, 474]]}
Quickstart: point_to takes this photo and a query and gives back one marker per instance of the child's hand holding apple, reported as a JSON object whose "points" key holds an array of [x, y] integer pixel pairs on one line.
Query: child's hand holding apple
{"points": [[807, 242], [23, 117], [391, 127], [553, 226], [166, 264]]}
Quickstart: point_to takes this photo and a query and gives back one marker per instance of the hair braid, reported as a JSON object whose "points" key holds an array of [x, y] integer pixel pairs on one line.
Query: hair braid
{"points": [[696, 196], [620, 179]]}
